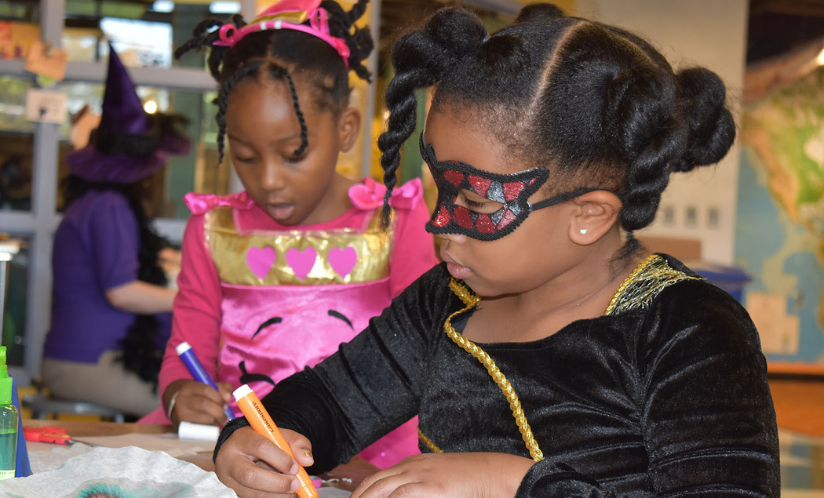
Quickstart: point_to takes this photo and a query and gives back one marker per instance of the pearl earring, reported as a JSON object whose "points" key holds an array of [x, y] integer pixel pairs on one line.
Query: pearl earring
{"points": [[583, 231]]}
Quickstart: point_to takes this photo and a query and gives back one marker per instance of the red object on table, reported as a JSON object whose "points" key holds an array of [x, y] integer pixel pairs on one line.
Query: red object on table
{"points": [[54, 435]]}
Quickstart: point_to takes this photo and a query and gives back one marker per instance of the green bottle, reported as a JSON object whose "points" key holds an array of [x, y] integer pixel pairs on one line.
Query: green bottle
{"points": [[8, 421]]}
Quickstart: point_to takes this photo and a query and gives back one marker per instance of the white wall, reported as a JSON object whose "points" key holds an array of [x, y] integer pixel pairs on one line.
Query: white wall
{"points": [[710, 33]]}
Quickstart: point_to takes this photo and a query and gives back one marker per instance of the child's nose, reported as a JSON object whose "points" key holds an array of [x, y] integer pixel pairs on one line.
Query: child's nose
{"points": [[271, 177], [457, 238]]}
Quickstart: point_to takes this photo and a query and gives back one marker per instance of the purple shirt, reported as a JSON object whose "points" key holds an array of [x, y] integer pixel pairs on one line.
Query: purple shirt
{"points": [[95, 249]]}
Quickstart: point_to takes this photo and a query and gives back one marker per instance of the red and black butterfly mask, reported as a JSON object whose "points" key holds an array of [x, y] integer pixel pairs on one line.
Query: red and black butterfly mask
{"points": [[511, 191]]}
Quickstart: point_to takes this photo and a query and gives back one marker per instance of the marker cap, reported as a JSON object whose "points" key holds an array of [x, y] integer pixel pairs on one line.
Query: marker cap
{"points": [[198, 432], [242, 391], [182, 348]]}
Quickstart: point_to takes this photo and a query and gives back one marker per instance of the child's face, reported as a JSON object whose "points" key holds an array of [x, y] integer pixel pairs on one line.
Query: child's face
{"points": [[264, 132], [536, 252]]}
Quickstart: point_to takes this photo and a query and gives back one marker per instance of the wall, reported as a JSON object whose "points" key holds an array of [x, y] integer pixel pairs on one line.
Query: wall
{"points": [[710, 33]]}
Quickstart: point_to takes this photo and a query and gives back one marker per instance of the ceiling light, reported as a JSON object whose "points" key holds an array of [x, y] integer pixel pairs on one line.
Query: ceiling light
{"points": [[150, 106], [224, 7], [164, 6]]}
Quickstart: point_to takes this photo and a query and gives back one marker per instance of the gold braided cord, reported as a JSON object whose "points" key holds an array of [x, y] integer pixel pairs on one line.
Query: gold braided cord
{"points": [[648, 279], [638, 290], [428, 442], [471, 300]]}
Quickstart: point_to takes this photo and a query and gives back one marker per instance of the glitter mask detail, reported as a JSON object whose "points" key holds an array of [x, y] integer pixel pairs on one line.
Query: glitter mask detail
{"points": [[512, 191]]}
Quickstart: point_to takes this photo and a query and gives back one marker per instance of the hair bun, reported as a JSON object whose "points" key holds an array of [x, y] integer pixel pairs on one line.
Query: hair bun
{"points": [[539, 12], [450, 35], [702, 97], [639, 104], [642, 123]]}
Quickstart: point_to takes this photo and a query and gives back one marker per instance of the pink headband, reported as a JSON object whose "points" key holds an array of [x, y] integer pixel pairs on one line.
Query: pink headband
{"points": [[318, 25]]}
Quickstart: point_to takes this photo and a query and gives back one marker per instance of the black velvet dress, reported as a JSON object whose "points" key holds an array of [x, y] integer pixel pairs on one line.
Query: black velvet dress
{"points": [[664, 395]]}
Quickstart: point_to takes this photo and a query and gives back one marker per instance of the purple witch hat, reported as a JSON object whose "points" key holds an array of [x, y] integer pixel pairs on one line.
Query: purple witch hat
{"points": [[126, 147]]}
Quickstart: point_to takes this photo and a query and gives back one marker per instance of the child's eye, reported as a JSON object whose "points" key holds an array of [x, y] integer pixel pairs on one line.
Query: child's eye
{"points": [[293, 159], [246, 160], [478, 205], [473, 204]]}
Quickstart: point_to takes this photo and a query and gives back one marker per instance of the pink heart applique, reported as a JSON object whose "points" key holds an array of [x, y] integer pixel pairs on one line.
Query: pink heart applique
{"points": [[301, 261], [260, 260], [343, 261]]}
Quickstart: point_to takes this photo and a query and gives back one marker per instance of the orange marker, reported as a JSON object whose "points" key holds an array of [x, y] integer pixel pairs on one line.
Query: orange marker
{"points": [[262, 423]]}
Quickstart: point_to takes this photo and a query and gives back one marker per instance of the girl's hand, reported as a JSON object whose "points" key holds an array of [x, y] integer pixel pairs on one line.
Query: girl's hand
{"points": [[170, 257], [468, 475], [197, 403], [253, 467]]}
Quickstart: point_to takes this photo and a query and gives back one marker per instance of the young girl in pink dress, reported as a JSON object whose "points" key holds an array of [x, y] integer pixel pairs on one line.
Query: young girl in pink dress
{"points": [[274, 278]]}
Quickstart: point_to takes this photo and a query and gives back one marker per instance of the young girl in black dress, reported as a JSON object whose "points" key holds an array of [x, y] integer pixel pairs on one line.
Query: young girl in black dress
{"points": [[549, 355]]}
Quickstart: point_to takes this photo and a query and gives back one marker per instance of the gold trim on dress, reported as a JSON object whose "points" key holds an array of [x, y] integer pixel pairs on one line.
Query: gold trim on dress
{"points": [[367, 251], [648, 279], [471, 300], [428, 442]]}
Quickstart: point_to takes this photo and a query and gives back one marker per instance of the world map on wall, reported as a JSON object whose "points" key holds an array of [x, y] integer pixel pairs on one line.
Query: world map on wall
{"points": [[780, 219]]}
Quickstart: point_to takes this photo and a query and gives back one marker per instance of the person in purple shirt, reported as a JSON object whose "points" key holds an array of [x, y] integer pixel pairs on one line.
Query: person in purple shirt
{"points": [[111, 300]]}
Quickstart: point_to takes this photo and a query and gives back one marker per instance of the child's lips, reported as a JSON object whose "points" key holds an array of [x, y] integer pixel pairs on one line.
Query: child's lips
{"points": [[457, 271], [280, 212]]}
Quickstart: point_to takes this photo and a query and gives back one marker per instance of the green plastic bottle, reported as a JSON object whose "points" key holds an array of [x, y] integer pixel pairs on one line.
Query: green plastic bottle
{"points": [[8, 421]]}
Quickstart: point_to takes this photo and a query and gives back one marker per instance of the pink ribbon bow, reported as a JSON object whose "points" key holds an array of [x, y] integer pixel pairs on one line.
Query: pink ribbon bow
{"points": [[369, 195]]}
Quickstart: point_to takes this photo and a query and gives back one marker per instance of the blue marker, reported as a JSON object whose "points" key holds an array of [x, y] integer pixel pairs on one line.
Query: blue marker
{"points": [[189, 358]]}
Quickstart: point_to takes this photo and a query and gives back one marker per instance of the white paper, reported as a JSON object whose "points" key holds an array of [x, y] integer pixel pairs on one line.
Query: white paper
{"points": [[120, 471], [46, 105], [46, 458]]}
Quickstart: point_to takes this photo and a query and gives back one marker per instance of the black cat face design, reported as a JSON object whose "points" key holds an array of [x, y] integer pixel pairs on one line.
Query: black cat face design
{"points": [[276, 319], [247, 377]]}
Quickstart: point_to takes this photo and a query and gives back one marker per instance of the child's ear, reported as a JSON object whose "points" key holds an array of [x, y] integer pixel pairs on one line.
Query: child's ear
{"points": [[596, 214], [349, 126]]}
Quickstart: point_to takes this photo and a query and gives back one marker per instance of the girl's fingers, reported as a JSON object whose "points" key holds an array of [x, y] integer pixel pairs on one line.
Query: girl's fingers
{"points": [[381, 484], [225, 391], [256, 481], [254, 467], [258, 448], [301, 447], [201, 389], [199, 409]]}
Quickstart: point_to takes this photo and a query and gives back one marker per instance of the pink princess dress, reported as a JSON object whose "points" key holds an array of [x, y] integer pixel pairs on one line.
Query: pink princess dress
{"points": [[260, 301]]}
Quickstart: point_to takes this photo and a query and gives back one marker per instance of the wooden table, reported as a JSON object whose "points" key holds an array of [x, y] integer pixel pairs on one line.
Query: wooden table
{"points": [[346, 476], [80, 429]]}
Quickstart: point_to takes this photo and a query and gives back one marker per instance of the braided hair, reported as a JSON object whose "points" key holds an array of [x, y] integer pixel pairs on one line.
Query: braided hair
{"points": [[600, 102], [279, 53]]}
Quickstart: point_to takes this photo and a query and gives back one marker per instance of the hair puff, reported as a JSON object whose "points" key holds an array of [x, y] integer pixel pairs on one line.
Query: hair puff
{"points": [[711, 125], [539, 12]]}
